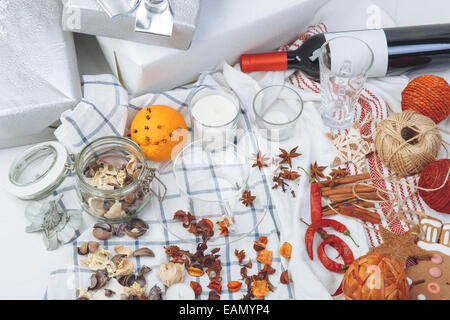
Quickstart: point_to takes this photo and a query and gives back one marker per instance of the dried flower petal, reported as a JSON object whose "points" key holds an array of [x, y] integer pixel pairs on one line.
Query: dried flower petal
{"points": [[170, 273], [249, 264], [197, 288], [143, 252], [215, 285], [284, 278], [122, 250], [240, 255], [155, 293], [213, 295]]}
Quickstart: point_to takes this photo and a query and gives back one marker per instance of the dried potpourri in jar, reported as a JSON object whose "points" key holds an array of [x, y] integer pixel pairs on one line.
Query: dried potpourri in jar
{"points": [[112, 174]]}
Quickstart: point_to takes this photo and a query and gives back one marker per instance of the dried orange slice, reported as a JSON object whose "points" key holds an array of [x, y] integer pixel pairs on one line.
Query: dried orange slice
{"points": [[265, 257], [286, 250], [260, 288]]}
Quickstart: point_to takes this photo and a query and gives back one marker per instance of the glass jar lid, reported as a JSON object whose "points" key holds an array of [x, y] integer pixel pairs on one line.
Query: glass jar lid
{"points": [[39, 170]]}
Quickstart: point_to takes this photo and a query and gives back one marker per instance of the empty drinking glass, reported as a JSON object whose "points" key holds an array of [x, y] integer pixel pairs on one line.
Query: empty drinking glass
{"points": [[277, 109], [344, 65]]}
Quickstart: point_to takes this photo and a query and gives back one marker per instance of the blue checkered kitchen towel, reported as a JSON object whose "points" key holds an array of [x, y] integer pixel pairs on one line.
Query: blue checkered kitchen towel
{"points": [[105, 110]]}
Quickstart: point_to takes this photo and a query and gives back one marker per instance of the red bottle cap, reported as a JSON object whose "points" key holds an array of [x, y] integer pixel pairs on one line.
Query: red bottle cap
{"points": [[264, 61]]}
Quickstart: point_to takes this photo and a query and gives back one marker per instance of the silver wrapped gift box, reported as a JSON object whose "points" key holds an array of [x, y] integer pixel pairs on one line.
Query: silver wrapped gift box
{"points": [[39, 74], [99, 18]]}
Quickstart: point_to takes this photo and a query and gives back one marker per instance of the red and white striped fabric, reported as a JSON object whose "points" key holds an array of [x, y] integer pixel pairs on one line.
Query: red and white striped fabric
{"points": [[368, 103]]}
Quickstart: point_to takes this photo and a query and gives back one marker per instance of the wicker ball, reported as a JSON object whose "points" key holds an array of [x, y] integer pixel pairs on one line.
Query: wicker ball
{"points": [[433, 177], [375, 277], [429, 95]]}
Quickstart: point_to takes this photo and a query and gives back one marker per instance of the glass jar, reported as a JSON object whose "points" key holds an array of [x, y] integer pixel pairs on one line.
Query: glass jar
{"points": [[38, 171], [121, 202]]}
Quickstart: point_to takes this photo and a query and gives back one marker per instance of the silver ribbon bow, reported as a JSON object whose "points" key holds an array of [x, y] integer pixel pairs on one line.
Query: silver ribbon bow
{"points": [[152, 16]]}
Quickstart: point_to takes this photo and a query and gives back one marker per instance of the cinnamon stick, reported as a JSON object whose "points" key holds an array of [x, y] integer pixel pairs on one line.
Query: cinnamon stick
{"points": [[360, 203], [363, 195], [355, 212], [347, 179], [343, 189], [327, 211]]}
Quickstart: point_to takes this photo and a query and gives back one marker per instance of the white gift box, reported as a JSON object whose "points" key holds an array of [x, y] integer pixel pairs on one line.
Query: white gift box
{"points": [[87, 16], [38, 67], [225, 30]]}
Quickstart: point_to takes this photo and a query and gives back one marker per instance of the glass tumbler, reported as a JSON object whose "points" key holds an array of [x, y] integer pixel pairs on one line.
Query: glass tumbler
{"points": [[211, 183], [344, 65], [277, 108]]}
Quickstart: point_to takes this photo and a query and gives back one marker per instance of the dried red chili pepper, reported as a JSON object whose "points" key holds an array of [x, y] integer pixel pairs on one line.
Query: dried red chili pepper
{"points": [[341, 247], [338, 291], [315, 198], [323, 223]]}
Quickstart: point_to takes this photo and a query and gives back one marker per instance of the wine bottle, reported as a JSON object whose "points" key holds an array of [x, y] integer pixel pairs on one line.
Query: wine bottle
{"points": [[396, 50]]}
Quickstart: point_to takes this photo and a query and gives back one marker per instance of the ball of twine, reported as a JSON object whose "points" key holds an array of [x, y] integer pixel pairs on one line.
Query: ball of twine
{"points": [[435, 176], [428, 95], [407, 142]]}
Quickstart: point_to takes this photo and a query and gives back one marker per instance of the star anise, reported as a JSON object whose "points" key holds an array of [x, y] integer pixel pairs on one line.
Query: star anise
{"points": [[288, 156], [247, 198], [338, 173], [289, 175], [260, 161], [317, 171], [329, 182]]}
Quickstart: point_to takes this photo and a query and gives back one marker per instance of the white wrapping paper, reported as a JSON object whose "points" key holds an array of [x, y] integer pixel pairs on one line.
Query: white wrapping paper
{"points": [[225, 30], [39, 74]]}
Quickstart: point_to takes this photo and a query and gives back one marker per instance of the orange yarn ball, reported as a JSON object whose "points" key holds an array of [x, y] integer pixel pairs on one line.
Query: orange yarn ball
{"points": [[428, 95], [433, 177]]}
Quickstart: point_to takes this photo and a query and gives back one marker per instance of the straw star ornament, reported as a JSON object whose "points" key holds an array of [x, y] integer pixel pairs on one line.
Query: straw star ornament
{"points": [[351, 147]]}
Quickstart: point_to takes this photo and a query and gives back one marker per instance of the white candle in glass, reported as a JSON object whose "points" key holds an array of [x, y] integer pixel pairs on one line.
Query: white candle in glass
{"points": [[214, 114]]}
